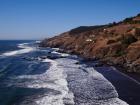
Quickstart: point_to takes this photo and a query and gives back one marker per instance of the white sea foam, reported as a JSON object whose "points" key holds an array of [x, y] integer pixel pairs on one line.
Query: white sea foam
{"points": [[89, 86], [73, 82], [25, 49], [56, 49], [54, 79], [61, 54], [59, 83], [23, 44], [37, 41]]}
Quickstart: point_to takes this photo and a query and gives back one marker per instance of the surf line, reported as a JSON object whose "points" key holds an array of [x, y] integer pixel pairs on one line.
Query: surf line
{"points": [[125, 75], [56, 73], [25, 49]]}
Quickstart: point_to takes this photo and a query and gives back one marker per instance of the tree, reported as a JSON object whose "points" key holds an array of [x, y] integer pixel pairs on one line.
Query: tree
{"points": [[138, 14]]}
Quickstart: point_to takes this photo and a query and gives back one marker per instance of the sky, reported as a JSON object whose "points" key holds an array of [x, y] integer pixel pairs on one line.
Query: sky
{"points": [[38, 19]]}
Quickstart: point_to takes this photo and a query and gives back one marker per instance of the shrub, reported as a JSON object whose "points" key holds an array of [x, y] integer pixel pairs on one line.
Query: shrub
{"points": [[128, 40], [137, 31], [111, 41], [112, 24], [119, 53], [138, 14], [134, 22], [127, 20]]}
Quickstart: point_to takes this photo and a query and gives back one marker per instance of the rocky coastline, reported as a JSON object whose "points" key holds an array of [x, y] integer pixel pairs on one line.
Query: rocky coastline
{"points": [[112, 44]]}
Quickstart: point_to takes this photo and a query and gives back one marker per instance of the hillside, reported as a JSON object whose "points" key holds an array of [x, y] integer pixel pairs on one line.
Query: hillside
{"points": [[115, 43]]}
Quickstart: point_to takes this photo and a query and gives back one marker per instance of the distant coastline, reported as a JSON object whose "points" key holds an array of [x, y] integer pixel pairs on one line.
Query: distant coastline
{"points": [[113, 44]]}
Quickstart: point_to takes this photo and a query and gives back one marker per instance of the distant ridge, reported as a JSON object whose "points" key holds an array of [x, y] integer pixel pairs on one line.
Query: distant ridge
{"points": [[114, 43]]}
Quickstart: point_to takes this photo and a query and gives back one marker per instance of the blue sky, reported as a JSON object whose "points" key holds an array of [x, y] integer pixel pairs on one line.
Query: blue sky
{"points": [[37, 19]]}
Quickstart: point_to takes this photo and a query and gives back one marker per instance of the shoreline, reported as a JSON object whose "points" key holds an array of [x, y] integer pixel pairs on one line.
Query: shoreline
{"points": [[124, 82], [126, 85], [134, 75]]}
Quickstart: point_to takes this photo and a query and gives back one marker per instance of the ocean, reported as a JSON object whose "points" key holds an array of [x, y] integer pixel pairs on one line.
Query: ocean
{"points": [[30, 75]]}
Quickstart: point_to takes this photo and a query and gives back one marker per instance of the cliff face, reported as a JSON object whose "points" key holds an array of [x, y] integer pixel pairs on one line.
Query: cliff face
{"points": [[116, 43]]}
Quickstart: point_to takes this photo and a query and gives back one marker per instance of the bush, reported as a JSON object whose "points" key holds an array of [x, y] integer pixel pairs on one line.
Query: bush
{"points": [[134, 22], [128, 40], [111, 41], [137, 31], [138, 14], [119, 53], [127, 20]]}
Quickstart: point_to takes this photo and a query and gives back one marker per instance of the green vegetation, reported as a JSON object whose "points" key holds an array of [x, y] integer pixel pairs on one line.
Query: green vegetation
{"points": [[119, 53], [137, 31], [112, 24], [131, 21], [138, 14], [134, 22], [86, 28], [128, 20], [111, 41], [128, 40]]}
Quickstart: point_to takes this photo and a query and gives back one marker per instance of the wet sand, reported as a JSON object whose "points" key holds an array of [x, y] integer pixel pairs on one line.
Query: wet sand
{"points": [[128, 88], [135, 76], [87, 85]]}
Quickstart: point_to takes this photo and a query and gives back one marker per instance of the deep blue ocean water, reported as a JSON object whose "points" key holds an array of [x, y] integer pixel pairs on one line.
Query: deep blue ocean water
{"points": [[10, 45], [16, 59], [30, 75]]}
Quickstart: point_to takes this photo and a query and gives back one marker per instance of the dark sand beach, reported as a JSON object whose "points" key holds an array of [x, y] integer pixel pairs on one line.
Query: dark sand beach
{"points": [[128, 87]]}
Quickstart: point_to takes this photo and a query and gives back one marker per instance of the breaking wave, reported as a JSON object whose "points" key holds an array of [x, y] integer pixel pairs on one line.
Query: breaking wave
{"points": [[53, 79], [89, 86], [71, 84], [24, 49], [65, 82]]}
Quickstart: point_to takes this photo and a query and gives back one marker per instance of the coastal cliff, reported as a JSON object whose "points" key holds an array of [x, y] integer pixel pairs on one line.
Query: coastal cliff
{"points": [[114, 43]]}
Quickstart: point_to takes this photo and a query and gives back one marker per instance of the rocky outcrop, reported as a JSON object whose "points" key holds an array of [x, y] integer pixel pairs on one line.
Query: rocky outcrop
{"points": [[116, 43]]}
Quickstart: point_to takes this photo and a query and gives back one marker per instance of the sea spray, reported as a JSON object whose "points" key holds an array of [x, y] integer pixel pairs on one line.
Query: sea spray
{"points": [[54, 79], [24, 49]]}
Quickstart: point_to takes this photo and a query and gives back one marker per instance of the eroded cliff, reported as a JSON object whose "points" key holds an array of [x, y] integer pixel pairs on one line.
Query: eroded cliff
{"points": [[115, 43]]}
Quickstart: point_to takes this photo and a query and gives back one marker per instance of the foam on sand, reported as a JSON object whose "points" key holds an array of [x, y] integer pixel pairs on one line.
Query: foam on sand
{"points": [[76, 84], [89, 86]]}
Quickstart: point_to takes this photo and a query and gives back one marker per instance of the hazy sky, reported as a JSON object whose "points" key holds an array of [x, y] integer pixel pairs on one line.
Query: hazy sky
{"points": [[37, 19]]}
